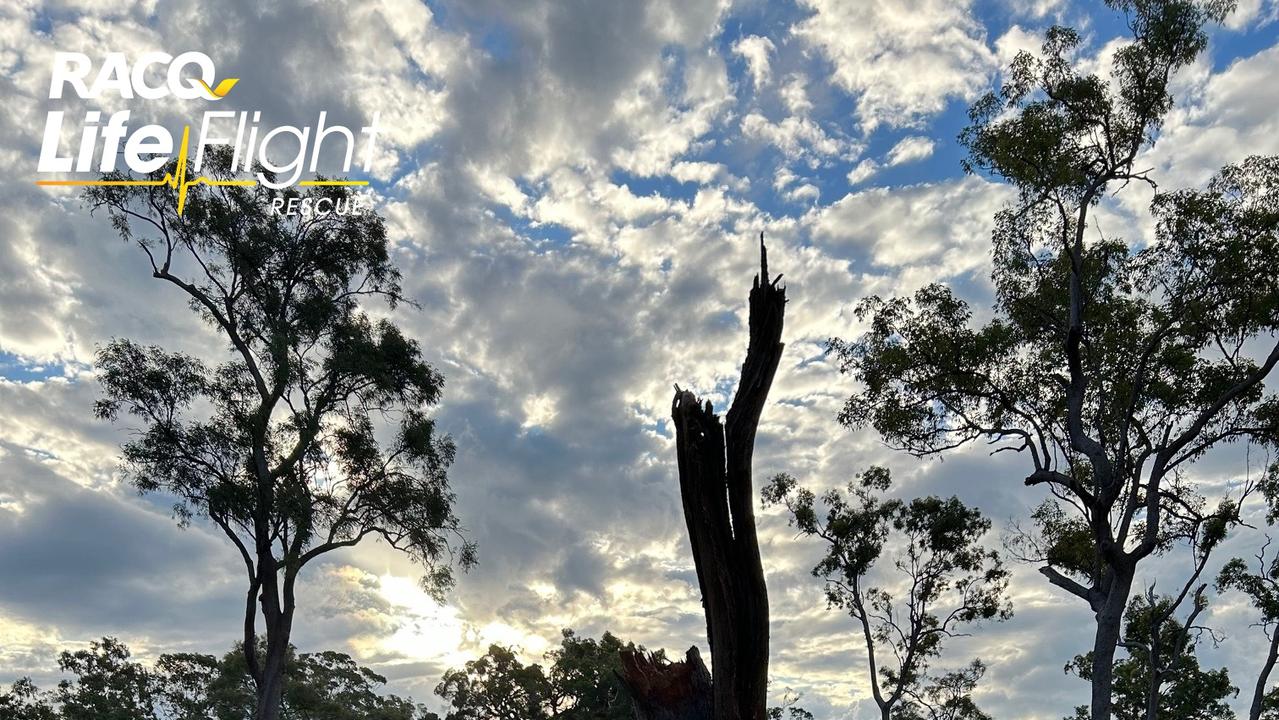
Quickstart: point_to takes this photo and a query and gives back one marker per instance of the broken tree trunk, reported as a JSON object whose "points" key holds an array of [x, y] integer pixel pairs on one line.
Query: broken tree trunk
{"points": [[718, 498]]}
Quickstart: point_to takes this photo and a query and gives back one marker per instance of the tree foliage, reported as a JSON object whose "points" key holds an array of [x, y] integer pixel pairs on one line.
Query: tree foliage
{"points": [[105, 684], [1111, 365], [313, 432], [580, 683], [1259, 582], [943, 580], [1175, 686]]}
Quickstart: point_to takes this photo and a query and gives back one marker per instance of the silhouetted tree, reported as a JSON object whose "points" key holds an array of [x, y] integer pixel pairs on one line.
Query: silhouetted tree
{"points": [[943, 580], [107, 685], [949, 697], [1260, 584], [24, 701], [1182, 689], [585, 678], [1111, 368], [714, 462], [496, 686], [581, 683], [279, 445]]}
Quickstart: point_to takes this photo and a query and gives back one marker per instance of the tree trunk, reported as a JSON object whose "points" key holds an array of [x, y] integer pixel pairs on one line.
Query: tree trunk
{"points": [[277, 615], [718, 500], [1259, 695], [1110, 617], [270, 694]]}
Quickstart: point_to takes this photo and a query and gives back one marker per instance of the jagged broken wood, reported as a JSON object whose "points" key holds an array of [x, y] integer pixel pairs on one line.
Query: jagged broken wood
{"points": [[718, 499]]}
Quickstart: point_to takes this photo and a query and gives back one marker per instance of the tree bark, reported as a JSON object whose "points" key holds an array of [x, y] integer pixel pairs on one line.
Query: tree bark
{"points": [[718, 499], [1110, 616], [1263, 679], [668, 691], [279, 630]]}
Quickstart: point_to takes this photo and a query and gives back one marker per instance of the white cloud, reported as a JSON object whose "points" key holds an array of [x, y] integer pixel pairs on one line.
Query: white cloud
{"points": [[757, 52], [911, 149], [863, 170], [903, 61], [1253, 14], [794, 93], [795, 136]]}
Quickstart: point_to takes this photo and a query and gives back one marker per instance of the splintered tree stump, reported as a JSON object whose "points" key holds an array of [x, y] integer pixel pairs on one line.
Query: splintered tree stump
{"points": [[668, 690], [718, 498]]}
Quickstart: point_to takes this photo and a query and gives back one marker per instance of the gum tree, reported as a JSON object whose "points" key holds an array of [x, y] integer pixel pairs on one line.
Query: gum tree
{"points": [[1258, 580], [312, 432], [1169, 683], [1112, 367], [942, 580]]}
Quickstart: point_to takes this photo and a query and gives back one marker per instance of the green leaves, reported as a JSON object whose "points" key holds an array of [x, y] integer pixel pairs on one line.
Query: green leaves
{"points": [[581, 683], [1183, 689], [315, 431], [949, 578]]}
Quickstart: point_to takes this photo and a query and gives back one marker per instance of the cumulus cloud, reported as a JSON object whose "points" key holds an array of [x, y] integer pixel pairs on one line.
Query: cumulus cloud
{"points": [[757, 52], [903, 61], [911, 149]]}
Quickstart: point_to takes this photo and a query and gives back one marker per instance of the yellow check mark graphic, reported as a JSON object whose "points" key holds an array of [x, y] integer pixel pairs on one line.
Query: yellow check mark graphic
{"points": [[221, 90]]}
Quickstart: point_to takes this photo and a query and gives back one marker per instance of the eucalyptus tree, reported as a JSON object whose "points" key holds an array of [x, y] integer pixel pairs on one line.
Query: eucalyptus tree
{"points": [[1111, 366], [1169, 683], [581, 682], [942, 581], [312, 430], [24, 701], [1258, 580]]}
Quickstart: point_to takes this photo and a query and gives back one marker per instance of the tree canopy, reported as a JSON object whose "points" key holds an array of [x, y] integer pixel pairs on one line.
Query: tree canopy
{"points": [[942, 579], [1112, 365], [580, 683], [107, 684], [1174, 686], [312, 432]]}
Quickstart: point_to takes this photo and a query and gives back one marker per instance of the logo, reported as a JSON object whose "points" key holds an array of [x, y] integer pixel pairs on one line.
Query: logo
{"points": [[105, 146]]}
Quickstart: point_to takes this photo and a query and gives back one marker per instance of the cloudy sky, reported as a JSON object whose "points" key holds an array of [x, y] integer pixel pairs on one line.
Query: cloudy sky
{"points": [[573, 189]]}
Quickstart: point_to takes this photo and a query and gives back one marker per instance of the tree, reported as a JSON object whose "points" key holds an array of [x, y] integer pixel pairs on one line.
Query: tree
{"points": [[1182, 689], [281, 445], [1111, 368], [714, 463], [496, 686], [107, 685], [585, 678], [950, 581], [949, 696], [582, 683], [24, 701], [1261, 587]]}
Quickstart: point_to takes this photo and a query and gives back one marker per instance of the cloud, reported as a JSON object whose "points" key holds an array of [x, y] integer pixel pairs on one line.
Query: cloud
{"points": [[902, 61], [757, 52], [796, 137], [911, 149], [864, 169]]}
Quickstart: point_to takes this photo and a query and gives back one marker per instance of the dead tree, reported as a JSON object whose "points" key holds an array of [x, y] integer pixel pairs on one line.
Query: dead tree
{"points": [[718, 498]]}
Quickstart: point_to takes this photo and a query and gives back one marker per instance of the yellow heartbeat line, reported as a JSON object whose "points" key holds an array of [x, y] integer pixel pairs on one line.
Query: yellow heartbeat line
{"points": [[178, 181]]}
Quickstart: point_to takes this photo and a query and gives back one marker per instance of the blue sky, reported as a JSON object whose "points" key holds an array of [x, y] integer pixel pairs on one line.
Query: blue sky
{"points": [[573, 191]]}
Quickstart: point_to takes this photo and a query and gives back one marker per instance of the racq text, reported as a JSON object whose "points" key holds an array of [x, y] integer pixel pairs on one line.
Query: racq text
{"points": [[311, 206]]}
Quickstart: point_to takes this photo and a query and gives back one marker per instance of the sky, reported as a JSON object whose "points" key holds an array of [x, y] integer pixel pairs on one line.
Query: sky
{"points": [[573, 192]]}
